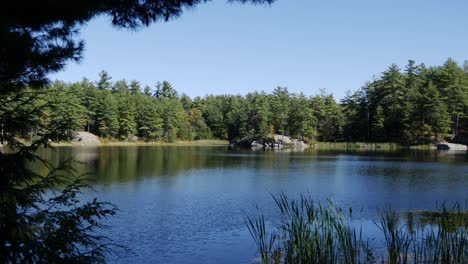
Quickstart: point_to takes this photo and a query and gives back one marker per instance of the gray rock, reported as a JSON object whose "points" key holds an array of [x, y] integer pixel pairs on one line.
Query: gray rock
{"points": [[451, 146], [255, 144], [279, 142], [86, 138], [284, 140]]}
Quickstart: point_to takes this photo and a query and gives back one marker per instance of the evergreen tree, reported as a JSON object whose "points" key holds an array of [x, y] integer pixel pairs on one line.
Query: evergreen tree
{"points": [[378, 133], [198, 127], [279, 106], [148, 118], [454, 88], [175, 119], [107, 117], [147, 90], [213, 114], [236, 118], [356, 113], [329, 116], [89, 102], [437, 116], [301, 121], [126, 111], [259, 112], [393, 102], [165, 90], [104, 81], [65, 114], [135, 87], [186, 102]]}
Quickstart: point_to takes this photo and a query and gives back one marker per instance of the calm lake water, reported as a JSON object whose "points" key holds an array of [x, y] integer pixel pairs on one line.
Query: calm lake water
{"points": [[187, 204]]}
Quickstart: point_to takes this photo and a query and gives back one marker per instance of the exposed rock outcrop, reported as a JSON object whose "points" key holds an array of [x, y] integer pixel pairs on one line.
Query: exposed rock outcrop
{"points": [[86, 138], [274, 142], [451, 146]]}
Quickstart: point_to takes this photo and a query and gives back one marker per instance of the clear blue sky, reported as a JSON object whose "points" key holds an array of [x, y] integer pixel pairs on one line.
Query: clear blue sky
{"points": [[218, 48]]}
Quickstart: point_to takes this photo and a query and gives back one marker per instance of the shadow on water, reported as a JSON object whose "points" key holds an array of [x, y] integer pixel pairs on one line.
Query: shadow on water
{"points": [[186, 204], [124, 163]]}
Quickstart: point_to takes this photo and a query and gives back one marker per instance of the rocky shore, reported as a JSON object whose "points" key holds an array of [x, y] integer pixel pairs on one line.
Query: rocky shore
{"points": [[272, 142]]}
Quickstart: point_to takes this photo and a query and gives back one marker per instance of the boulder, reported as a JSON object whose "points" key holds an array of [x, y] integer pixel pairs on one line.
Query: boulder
{"points": [[283, 140], [451, 146], [256, 144], [86, 138], [274, 142]]}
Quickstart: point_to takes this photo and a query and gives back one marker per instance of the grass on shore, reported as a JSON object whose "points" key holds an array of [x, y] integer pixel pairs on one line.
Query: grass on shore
{"points": [[357, 146], [206, 142]]}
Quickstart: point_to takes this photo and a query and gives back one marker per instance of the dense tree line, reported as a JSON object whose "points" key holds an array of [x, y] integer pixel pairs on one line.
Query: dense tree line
{"points": [[414, 105]]}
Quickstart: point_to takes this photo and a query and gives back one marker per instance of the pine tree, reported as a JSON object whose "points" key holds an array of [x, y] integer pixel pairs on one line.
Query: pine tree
{"points": [[378, 133], [279, 105], [165, 90], [394, 103], [135, 87], [236, 118], [89, 102], [65, 114], [147, 90], [107, 118], [213, 113], [329, 116], [301, 120], [259, 112], [356, 113], [437, 115], [126, 110], [104, 81], [186, 102], [148, 118], [454, 88], [198, 127]]}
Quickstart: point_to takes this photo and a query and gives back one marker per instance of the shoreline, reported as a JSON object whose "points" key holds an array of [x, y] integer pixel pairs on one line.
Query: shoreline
{"points": [[143, 143], [360, 146]]}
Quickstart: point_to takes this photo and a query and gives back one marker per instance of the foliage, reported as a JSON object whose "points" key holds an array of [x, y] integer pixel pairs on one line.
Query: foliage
{"points": [[418, 106], [410, 107], [42, 219]]}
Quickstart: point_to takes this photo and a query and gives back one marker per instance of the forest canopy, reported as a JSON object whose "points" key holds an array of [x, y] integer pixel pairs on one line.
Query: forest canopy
{"points": [[413, 105]]}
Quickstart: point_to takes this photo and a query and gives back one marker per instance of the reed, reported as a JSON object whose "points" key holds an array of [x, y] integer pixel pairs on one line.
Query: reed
{"points": [[315, 232], [441, 240], [309, 232]]}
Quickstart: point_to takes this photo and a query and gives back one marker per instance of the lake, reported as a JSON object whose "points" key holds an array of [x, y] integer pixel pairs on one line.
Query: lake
{"points": [[187, 204]]}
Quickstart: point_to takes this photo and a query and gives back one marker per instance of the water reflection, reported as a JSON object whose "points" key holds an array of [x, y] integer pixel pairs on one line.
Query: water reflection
{"points": [[186, 204]]}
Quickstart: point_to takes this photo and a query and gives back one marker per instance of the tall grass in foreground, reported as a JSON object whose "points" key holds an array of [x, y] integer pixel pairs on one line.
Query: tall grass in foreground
{"points": [[309, 232], [442, 240], [312, 232]]}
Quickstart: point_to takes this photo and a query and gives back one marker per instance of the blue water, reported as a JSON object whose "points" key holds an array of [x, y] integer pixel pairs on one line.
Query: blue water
{"points": [[188, 204]]}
